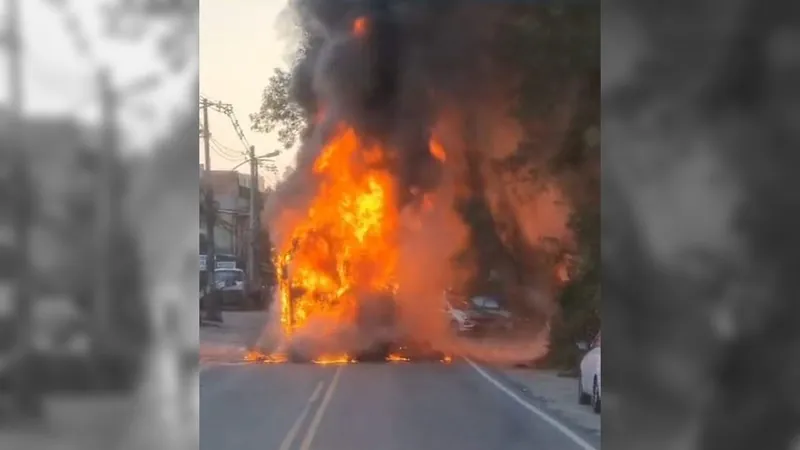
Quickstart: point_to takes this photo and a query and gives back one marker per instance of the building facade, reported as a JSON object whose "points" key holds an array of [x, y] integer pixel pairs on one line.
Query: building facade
{"points": [[232, 201]]}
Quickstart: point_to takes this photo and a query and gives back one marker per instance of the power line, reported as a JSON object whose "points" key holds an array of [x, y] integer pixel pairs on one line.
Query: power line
{"points": [[227, 150], [222, 154], [227, 109], [218, 150]]}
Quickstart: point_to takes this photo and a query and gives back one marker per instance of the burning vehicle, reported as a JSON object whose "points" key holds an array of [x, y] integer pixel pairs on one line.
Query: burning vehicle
{"points": [[372, 335], [354, 326], [368, 157]]}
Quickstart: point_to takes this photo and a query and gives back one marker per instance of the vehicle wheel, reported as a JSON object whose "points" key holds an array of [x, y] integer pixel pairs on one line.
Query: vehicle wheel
{"points": [[296, 357], [377, 353], [583, 398], [595, 397]]}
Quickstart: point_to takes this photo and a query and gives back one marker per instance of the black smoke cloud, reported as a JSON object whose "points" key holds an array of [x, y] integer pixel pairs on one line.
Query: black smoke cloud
{"points": [[383, 83]]}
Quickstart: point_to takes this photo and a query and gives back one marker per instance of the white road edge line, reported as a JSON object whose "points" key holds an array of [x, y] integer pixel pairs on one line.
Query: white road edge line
{"points": [[292, 434], [542, 415]]}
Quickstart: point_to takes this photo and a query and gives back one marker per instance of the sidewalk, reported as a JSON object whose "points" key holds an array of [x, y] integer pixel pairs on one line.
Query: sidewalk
{"points": [[560, 394], [229, 341], [72, 423]]}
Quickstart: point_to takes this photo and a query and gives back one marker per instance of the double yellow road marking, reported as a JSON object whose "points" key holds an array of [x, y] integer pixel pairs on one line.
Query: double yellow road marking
{"points": [[311, 432]]}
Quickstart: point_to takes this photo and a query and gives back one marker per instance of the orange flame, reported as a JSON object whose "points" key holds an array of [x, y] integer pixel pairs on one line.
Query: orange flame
{"points": [[397, 358], [360, 26], [437, 151], [258, 357], [333, 359], [346, 243]]}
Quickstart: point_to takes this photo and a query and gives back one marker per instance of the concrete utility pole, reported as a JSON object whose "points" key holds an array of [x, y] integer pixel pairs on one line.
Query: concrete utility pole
{"points": [[25, 395], [255, 195], [14, 47], [209, 204], [104, 203]]}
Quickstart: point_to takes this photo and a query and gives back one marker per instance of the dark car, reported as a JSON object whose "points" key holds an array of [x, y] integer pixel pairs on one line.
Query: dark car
{"points": [[487, 314]]}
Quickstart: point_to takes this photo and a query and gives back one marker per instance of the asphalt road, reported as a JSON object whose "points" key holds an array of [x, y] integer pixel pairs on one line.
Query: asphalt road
{"points": [[400, 406]]}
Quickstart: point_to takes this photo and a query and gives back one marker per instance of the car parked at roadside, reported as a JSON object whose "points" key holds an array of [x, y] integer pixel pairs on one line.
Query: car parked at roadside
{"points": [[476, 314], [459, 320], [489, 315], [589, 385]]}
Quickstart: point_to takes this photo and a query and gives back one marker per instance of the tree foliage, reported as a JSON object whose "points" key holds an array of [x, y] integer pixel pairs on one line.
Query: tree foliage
{"points": [[561, 55], [279, 112], [566, 55]]}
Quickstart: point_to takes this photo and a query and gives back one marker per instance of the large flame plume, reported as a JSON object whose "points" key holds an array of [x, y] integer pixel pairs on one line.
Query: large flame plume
{"points": [[347, 242]]}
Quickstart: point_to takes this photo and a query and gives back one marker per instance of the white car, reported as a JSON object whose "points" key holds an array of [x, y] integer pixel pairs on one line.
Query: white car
{"points": [[589, 378], [458, 317]]}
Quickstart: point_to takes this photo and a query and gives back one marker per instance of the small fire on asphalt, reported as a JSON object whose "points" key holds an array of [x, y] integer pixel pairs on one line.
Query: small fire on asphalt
{"points": [[334, 359], [258, 357], [397, 358]]}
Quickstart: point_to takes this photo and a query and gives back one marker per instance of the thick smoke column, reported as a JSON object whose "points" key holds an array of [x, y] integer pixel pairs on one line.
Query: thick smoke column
{"points": [[397, 72], [383, 79], [380, 81]]}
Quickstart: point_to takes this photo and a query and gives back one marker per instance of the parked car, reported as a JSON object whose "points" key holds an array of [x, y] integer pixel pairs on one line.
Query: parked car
{"points": [[456, 310], [488, 314], [233, 285], [589, 391], [478, 314]]}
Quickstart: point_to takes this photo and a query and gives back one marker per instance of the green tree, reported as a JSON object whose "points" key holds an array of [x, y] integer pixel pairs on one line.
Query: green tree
{"points": [[561, 55], [279, 112]]}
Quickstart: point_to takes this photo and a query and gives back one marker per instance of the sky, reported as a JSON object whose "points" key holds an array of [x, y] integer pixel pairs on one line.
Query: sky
{"points": [[241, 44], [59, 80]]}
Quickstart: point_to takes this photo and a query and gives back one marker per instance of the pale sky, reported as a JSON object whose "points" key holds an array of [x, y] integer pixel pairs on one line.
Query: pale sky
{"points": [[241, 43], [59, 81]]}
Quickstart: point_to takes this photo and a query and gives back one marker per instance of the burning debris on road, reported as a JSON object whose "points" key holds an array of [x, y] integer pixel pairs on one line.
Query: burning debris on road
{"points": [[262, 358]]}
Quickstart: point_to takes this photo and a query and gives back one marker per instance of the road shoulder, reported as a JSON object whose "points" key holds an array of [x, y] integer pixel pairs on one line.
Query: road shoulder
{"points": [[555, 393]]}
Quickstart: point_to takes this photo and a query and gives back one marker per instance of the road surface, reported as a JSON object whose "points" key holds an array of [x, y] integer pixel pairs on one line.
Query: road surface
{"points": [[392, 406]]}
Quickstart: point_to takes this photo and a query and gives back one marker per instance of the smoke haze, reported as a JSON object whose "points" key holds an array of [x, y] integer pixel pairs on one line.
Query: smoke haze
{"points": [[409, 72]]}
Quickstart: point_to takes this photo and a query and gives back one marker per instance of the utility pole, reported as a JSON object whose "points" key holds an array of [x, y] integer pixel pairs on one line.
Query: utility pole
{"points": [[254, 196], [25, 394], [104, 204], [14, 48], [209, 206]]}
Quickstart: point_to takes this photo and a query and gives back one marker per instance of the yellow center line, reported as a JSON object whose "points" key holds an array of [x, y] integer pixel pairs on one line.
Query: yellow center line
{"points": [[289, 439], [312, 429]]}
